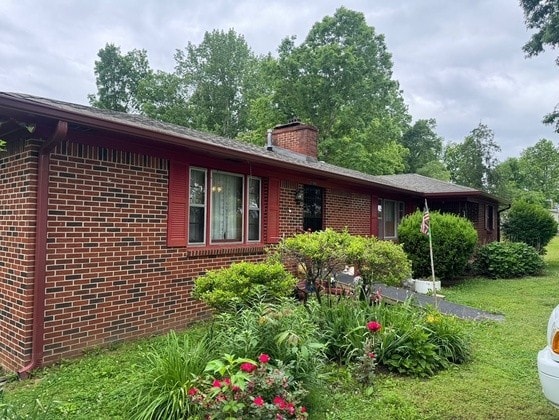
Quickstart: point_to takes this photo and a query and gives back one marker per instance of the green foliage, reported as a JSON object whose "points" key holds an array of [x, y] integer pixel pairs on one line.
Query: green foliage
{"points": [[243, 284], [283, 331], [118, 77], [507, 260], [472, 163], [424, 144], [454, 240], [340, 80], [378, 261], [217, 75], [244, 388], [529, 223], [544, 17], [317, 255], [172, 370], [539, 168]]}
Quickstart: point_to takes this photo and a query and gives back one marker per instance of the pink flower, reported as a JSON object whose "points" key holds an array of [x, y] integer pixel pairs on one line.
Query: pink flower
{"points": [[248, 367], [259, 401], [263, 358], [373, 326], [227, 381], [303, 409], [372, 355], [280, 402], [193, 391], [216, 383]]}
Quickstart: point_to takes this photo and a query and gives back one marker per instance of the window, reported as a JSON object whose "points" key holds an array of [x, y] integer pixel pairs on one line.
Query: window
{"points": [[312, 208], [254, 209], [197, 204], [217, 210], [227, 207], [390, 213]]}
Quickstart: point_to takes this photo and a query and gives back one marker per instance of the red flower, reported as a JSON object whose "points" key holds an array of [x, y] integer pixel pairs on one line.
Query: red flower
{"points": [[373, 326], [227, 381], [216, 383], [248, 367], [263, 358], [193, 391], [372, 355], [259, 401], [303, 409], [280, 402]]}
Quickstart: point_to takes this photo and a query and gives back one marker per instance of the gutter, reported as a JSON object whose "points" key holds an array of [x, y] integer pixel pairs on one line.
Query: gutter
{"points": [[43, 171]]}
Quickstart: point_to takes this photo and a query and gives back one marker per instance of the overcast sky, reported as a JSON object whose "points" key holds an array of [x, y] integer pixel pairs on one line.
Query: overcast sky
{"points": [[458, 61]]}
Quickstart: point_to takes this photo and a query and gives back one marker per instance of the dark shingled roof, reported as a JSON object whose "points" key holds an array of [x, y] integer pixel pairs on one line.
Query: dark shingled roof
{"points": [[101, 118]]}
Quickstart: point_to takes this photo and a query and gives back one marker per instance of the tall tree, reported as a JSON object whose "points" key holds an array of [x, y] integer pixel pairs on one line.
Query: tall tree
{"points": [[543, 16], [473, 162], [539, 166], [118, 77], [218, 74], [340, 80], [424, 144]]}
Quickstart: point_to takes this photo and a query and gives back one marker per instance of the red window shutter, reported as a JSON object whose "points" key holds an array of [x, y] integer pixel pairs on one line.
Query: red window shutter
{"points": [[273, 210], [176, 217]]}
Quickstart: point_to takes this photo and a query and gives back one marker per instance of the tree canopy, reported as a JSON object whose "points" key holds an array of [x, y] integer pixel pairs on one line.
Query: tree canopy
{"points": [[543, 16]]}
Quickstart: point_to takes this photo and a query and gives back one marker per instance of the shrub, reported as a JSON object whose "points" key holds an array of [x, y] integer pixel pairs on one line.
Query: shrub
{"points": [[317, 255], [508, 260], [454, 239], [378, 261], [242, 284], [529, 223]]}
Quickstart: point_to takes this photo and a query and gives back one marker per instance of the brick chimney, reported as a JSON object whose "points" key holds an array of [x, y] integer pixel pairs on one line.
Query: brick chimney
{"points": [[296, 137]]}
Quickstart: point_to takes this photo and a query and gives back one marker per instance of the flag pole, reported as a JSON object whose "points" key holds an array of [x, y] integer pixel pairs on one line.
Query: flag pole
{"points": [[426, 229]]}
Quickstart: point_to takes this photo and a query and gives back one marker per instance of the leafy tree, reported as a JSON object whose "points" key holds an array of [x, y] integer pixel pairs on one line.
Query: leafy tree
{"points": [[424, 145], [473, 162], [543, 16], [118, 77], [218, 73], [339, 80], [529, 223], [539, 166]]}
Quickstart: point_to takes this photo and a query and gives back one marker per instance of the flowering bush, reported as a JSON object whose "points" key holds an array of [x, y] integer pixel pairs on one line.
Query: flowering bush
{"points": [[245, 389]]}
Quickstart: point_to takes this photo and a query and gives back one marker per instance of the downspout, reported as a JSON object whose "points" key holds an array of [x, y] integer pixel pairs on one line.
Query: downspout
{"points": [[42, 207]]}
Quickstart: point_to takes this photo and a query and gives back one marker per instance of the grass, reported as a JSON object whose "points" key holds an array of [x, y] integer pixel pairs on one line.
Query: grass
{"points": [[501, 381]]}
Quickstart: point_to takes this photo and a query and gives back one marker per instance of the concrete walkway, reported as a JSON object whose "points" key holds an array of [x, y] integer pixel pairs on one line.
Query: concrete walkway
{"points": [[398, 294]]}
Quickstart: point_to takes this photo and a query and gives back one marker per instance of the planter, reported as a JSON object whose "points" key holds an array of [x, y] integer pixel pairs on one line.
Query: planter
{"points": [[426, 286]]}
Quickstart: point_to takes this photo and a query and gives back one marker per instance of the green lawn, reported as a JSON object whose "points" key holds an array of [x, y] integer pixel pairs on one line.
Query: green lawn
{"points": [[501, 381]]}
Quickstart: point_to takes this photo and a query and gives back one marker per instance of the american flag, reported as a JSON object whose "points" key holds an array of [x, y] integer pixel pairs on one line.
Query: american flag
{"points": [[425, 221]]}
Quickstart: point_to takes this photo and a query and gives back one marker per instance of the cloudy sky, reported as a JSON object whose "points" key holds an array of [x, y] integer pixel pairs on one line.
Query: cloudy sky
{"points": [[460, 62]]}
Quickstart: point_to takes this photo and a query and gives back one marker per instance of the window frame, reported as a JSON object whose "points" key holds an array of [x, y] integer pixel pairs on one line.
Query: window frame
{"points": [[246, 181], [397, 215]]}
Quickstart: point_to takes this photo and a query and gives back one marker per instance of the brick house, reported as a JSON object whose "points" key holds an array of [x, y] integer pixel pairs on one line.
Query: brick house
{"points": [[107, 218]]}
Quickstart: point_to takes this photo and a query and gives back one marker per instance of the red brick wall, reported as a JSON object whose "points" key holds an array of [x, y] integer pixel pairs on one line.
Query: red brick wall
{"points": [[110, 276], [348, 209], [18, 176]]}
